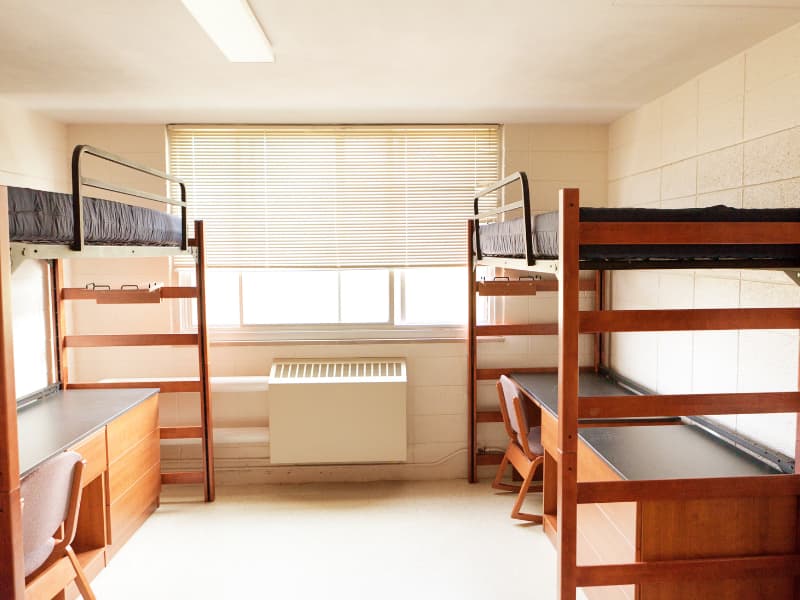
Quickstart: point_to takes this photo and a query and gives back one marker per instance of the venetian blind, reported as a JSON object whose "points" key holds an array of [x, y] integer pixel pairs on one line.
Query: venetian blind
{"points": [[334, 196]]}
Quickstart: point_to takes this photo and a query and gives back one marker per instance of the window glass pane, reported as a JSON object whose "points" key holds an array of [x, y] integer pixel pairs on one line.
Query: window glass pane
{"points": [[289, 297], [222, 297], [365, 296], [434, 296]]}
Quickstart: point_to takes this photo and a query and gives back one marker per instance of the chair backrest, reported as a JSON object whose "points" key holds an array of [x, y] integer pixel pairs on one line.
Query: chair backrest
{"points": [[47, 495], [509, 399]]}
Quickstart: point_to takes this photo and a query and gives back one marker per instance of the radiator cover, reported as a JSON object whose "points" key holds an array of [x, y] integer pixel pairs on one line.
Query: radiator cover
{"points": [[337, 411]]}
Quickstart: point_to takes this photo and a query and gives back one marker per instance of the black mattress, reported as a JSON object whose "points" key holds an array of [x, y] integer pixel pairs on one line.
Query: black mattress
{"points": [[46, 218], [507, 238]]}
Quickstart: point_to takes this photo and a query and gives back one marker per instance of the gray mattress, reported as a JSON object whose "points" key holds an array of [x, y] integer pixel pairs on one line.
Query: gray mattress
{"points": [[507, 238], [46, 218]]}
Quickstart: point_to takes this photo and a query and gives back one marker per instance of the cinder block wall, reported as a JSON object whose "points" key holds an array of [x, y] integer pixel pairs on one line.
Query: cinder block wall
{"points": [[729, 136]]}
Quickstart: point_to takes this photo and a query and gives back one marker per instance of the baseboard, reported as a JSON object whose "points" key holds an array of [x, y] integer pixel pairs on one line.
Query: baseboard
{"points": [[259, 471]]}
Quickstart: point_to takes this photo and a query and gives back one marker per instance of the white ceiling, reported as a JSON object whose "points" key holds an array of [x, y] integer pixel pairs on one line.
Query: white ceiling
{"points": [[356, 61]]}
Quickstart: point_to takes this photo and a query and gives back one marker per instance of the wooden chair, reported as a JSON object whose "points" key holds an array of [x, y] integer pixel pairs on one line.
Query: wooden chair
{"points": [[524, 452], [51, 496]]}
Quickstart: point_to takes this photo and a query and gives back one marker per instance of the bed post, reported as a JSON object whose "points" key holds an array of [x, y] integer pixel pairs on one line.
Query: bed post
{"points": [[568, 330], [209, 485], [12, 579], [471, 358]]}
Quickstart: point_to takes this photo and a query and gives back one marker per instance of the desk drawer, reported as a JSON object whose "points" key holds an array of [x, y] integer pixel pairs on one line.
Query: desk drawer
{"points": [[129, 468], [93, 451], [135, 425], [132, 508]]}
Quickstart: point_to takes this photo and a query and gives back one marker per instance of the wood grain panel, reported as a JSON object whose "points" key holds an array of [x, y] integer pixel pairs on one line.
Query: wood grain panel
{"points": [[181, 433], [12, 583], [518, 329], [680, 529], [599, 542], [695, 319], [90, 534], [669, 405], [134, 506], [135, 339], [183, 477], [133, 426], [676, 233], [128, 469], [166, 386], [93, 451], [549, 432]]}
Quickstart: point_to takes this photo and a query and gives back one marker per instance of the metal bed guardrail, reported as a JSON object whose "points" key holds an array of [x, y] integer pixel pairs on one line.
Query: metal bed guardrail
{"points": [[524, 204], [78, 180]]}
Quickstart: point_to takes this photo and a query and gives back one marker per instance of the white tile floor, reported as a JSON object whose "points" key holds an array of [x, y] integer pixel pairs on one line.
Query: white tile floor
{"points": [[384, 540]]}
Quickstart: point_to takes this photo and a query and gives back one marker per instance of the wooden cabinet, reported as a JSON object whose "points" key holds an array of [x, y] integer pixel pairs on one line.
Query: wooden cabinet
{"points": [[121, 485], [134, 471], [90, 535]]}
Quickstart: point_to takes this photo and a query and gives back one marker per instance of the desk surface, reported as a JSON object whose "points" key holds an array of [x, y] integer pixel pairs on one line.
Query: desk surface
{"points": [[637, 452], [670, 452], [54, 423], [543, 387]]}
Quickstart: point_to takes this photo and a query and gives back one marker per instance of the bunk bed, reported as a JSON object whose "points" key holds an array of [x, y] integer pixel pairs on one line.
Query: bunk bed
{"points": [[53, 227], [727, 532]]}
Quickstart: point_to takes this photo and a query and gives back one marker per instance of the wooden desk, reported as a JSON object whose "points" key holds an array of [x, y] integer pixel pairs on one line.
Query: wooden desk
{"points": [[625, 532], [116, 431]]}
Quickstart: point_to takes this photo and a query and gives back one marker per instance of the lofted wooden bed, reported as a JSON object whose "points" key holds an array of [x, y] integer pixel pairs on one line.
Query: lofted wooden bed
{"points": [[53, 227], [709, 532]]}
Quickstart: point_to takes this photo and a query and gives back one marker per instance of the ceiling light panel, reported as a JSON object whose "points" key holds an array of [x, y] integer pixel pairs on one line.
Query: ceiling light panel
{"points": [[233, 27]]}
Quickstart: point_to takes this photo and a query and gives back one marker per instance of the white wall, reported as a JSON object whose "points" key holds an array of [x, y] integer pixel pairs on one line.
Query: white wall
{"points": [[437, 426], [33, 153], [33, 150], [729, 136]]}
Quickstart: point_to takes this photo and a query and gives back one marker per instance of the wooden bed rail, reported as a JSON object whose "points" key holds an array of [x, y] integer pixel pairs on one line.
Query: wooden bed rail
{"points": [[684, 405], [690, 319], [679, 489], [688, 233], [680, 570], [78, 181]]}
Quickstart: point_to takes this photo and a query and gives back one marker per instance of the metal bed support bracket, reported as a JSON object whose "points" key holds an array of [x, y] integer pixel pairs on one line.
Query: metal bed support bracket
{"points": [[21, 251], [793, 274]]}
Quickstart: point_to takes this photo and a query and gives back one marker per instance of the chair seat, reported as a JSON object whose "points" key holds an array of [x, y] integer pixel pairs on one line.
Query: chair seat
{"points": [[535, 440]]}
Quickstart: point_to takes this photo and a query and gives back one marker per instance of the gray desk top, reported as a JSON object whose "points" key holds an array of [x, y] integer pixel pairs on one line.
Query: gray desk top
{"points": [[637, 452], [53, 424], [670, 452], [544, 388]]}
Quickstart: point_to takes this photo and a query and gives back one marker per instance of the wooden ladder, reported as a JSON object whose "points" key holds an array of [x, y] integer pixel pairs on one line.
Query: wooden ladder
{"points": [[503, 287], [199, 384]]}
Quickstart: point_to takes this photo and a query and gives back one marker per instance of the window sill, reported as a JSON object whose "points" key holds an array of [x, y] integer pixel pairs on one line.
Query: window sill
{"points": [[332, 337]]}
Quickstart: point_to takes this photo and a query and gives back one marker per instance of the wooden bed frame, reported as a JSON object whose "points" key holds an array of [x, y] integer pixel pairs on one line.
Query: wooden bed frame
{"points": [[12, 581], [560, 521]]}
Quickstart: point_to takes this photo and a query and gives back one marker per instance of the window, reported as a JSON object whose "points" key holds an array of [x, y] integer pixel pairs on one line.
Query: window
{"points": [[355, 227]]}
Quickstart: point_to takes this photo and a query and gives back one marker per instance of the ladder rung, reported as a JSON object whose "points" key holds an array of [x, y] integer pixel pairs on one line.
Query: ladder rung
{"points": [[181, 433], [156, 339], [182, 477], [166, 386], [489, 416], [129, 296], [491, 458], [518, 329]]}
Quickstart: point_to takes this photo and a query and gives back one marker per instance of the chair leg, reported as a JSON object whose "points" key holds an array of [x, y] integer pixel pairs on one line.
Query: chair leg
{"points": [[516, 512], [498, 478], [80, 577]]}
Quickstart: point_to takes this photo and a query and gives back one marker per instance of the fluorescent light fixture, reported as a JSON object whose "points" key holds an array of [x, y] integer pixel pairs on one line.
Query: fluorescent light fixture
{"points": [[233, 27]]}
